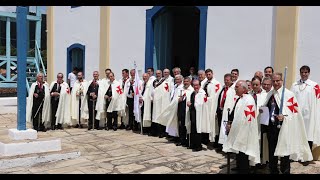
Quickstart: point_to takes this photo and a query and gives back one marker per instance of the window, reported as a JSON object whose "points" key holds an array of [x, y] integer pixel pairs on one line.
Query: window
{"points": [[74, 6]]}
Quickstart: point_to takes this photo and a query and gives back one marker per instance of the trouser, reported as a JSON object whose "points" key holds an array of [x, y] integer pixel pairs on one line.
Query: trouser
{"points": [[146, 130], [132, 123], [310, 144], [195, 138], [113, 115], [91, 115], [37, 123], [219, 118], [154, 129], [272, 134], [162, 130], [54, 108], [181, 121], [242, 161], [205, 138]]}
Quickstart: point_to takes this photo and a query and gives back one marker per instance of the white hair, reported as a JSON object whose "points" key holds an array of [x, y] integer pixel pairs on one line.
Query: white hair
{"points": [[179, 76], [40, 73], [201, 72], [244, 84], [177, 69]]}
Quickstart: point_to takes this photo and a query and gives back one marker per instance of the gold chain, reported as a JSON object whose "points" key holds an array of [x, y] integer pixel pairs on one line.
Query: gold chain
{"points": [[303, 88]]}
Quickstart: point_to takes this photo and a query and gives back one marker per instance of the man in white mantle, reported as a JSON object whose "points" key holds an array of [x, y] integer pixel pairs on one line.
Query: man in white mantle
{"points": [[308, 98]]}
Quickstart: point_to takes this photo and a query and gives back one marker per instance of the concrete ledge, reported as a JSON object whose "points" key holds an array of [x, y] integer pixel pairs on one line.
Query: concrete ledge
{"points": [[30, 161], [12, 149], [15, 134]]}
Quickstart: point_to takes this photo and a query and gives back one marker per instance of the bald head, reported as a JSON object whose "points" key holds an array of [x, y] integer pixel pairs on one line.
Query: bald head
{"points": [[166, 73], [196, 85], [259, 74], [241, 87], [158, 74], [145, 77], [201, 75]]}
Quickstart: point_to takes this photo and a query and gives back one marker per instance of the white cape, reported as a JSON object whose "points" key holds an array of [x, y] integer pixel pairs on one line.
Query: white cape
{"points": [[147, 103], [229, 104], [214, 87], [46, 110], [292, 140], [161, 99], [101, 102], [75, 101], [308, 97], [63, 112], [169, 116], [202, 106], [84, 103], [243, 135]]}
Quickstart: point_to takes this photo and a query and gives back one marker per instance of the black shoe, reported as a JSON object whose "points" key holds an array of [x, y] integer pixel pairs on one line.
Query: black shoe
{"points": [[89, 127], [122, 126], [77, 126], [306, 163], [80, 126], [178, 144], [59, 127], [161, 136], [106, 128], [196, 149], [53, 128], [115, 128], [128, 128], [184, 145], [235, 169]]}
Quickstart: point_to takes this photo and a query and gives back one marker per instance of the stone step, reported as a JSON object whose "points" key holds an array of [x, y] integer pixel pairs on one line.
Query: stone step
{"points": [[33, 159]]}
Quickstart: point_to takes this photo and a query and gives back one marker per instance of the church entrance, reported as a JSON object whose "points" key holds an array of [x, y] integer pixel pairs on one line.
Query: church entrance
{"points": [[76, 57], [176, 38]]}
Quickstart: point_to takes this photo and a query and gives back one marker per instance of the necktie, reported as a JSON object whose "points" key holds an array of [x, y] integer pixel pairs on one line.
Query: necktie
{"points": [[255, 97], [224, 96], [144, 88], [273, 106], [206, 87]]}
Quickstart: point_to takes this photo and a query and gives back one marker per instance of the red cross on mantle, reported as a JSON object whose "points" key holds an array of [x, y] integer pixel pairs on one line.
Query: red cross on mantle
{"points": [[217, 87], [317, 90], [205, 98], [250, 113], [293, 105], [166, 87], [137, 90], [68, 90], [119, 91]]}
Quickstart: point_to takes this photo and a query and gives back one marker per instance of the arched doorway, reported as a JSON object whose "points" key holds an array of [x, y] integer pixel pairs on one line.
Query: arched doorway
{"points": [[176, 37], [76, 57]]}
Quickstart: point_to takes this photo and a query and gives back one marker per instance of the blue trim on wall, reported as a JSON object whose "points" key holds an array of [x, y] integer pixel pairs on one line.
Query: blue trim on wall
{"points": [[150, 13], [22, 64], [69, 60]]}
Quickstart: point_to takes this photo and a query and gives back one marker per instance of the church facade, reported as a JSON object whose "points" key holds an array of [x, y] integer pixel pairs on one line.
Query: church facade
{"points": [[216, 37]]}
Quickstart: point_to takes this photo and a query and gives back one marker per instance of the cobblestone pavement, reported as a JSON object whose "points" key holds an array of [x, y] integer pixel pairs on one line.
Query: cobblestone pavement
{"points": [[118, 152]]}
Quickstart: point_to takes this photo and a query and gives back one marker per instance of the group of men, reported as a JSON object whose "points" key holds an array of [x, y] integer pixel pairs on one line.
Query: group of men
{"points": [[192, 111]]}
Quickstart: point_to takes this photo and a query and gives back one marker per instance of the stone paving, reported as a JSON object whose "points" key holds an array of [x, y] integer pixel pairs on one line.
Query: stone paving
{"points": [[125, 152]]}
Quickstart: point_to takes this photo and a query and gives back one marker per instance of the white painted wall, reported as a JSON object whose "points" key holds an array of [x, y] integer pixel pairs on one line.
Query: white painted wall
{"points": [[309, 41], [127, 37], [76, 25], [239, 37]]}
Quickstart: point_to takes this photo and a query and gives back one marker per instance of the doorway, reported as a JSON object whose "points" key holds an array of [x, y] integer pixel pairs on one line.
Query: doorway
{"points": [[76, 58], [176, 38]]}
